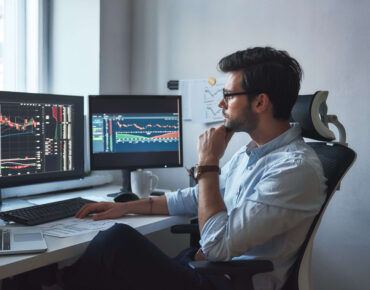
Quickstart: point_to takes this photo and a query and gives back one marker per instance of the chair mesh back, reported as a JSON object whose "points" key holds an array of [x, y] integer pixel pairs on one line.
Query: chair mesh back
{"points": [[336, 160]]}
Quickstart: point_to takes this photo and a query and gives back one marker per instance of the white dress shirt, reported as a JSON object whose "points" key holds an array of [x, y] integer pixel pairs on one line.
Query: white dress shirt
{"points": [[272, 194]]}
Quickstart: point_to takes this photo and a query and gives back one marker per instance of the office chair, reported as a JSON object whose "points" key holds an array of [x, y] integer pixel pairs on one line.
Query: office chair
{"points": [[310, 111]]}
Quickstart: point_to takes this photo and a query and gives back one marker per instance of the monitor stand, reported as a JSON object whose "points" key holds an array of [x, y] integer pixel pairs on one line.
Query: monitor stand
{"points": [[126, 183]]}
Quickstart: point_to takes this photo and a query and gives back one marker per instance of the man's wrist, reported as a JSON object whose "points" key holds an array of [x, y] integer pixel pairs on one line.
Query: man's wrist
{"points": [[206, 162], [201, 170], [126, 208]]}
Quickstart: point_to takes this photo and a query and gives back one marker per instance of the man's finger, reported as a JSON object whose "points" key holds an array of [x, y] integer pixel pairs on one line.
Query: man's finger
{"points": [[90, 208], [102, 215], [80, 213], [229, 135], [222, 128]]}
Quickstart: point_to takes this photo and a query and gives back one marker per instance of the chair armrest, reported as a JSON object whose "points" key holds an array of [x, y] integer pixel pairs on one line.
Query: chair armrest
{"points": [[185, 229], [236, 267]]}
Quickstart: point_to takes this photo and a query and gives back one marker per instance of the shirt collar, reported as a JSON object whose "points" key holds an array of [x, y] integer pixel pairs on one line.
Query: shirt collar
{"points": [[255, 152]]}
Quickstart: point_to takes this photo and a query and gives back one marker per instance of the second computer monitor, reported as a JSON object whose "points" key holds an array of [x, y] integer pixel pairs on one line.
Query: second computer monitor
{"points": [[41, 138], [135, 131]]}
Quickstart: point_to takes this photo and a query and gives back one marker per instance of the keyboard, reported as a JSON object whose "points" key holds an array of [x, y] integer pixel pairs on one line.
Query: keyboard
{"points": [[43, 213]]}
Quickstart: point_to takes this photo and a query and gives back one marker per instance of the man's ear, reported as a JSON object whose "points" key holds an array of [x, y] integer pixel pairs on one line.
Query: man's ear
{"points": [[261, 103]]}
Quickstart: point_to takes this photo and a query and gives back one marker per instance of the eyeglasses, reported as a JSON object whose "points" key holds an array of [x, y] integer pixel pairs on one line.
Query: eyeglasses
{"points": [[229, 96]]}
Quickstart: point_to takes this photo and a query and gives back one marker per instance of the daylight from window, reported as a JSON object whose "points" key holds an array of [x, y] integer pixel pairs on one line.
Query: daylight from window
{"points": [[1, 44]]}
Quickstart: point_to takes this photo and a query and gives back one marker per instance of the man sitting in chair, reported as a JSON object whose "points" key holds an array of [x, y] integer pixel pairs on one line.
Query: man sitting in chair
{"points": [[259, 206]]}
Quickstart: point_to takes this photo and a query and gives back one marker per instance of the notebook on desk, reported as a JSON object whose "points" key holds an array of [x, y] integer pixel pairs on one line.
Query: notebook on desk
{"points": [[21, 241]]}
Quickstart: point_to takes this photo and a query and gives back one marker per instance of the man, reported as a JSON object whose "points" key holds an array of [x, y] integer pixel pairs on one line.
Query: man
{"points": [[260, 207]]}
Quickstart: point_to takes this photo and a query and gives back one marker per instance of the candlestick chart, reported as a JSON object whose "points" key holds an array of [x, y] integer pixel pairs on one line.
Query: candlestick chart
{"points": [[34, 138]]}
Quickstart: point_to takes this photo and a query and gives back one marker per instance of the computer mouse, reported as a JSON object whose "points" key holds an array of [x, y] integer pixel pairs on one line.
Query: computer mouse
{"points": [[124, 197]]}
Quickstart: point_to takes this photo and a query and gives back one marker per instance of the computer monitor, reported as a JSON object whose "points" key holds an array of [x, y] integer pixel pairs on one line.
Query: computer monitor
{"points": [[131, 132], [41, 138]]}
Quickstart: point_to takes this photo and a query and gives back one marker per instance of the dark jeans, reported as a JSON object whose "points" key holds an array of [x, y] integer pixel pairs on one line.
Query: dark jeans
{"points": [[122, 258]]}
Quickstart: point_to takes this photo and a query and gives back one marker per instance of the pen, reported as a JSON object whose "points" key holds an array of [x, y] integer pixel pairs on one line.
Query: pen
{"points": [[190, 172]]}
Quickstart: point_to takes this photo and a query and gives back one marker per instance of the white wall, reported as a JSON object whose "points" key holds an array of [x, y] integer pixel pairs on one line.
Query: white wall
{"points": [[185, 39], [115, 46], [74, 47]]}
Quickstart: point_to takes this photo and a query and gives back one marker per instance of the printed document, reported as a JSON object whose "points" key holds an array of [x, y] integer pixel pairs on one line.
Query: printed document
{"points": [[73, 226]]}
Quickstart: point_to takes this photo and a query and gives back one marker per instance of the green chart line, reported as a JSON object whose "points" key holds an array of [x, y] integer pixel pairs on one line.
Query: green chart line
{"points": [[129, 136], [61, 159], [56, 131]]}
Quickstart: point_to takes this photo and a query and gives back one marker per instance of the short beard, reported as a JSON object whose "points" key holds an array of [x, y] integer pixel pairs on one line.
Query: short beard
{"points": [[248, 122]]}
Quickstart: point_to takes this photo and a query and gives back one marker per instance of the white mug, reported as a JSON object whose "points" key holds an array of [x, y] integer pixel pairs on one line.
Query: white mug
{"points": [[143, 182]]}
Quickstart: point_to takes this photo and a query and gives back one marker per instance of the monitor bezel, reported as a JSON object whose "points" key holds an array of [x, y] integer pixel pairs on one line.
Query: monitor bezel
{"points": [[78, 147], [93, 164]]}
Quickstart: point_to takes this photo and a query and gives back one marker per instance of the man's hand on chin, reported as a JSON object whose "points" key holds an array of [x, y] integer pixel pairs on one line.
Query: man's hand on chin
{"points": [[212, 145]]}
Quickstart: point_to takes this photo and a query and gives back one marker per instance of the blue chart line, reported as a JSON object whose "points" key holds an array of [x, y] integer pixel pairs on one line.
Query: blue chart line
{"points": [[2, 136]]}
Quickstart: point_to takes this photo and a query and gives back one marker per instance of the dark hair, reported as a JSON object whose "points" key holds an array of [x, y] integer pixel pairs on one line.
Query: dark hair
{"points": [[270, 71]]}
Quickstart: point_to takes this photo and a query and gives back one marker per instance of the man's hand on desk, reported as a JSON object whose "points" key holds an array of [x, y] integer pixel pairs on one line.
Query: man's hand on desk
{"points": [[112, 210], [102, 210]]}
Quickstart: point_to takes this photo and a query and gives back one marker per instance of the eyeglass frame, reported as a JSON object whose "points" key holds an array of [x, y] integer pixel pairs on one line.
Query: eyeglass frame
{"points": [[226, 95]]}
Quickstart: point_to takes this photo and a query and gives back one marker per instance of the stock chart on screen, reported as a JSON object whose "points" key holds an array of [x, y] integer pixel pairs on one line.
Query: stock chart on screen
{"points": [[35, 138], [140, 132]]}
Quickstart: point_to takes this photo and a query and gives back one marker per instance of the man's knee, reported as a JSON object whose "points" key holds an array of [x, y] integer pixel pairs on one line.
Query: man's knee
{"points": [[117, 236], [119, 231]]}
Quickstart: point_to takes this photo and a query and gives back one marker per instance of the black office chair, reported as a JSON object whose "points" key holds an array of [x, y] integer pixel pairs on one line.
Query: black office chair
{"points": [[311, 112]]}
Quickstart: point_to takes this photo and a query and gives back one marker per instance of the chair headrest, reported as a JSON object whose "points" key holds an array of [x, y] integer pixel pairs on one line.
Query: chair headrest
{"points": [[310, 111]]}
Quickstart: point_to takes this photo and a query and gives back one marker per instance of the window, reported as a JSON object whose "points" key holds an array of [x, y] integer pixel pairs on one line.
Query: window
{"points": [[1, 44], [22, 42]]}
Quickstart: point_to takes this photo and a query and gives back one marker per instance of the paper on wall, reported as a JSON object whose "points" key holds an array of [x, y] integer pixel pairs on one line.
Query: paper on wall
{"points": [[200, 100], [212, 95]]}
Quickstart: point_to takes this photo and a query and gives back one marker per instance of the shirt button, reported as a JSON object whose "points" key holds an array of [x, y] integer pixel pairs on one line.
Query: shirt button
{"points": [[250, 167]]}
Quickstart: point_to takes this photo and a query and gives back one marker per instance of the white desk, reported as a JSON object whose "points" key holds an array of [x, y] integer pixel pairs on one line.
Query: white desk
{"points": [[60, 249]]}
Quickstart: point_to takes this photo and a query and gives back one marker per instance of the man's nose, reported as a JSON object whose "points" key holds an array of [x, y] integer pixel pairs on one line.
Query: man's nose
{"points": [[222, 104]]}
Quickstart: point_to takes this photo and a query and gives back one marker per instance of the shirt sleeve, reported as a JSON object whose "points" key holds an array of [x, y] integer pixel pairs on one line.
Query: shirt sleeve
{"points": [[262, 216], [183, 202]]}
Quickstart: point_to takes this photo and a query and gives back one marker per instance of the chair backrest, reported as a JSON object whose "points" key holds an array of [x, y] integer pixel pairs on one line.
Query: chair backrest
{"points": [[336, 160]]}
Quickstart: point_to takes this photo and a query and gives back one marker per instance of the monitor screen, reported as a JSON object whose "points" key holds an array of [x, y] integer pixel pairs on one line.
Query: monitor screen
{"points": [[135, 131], [41, 138]]}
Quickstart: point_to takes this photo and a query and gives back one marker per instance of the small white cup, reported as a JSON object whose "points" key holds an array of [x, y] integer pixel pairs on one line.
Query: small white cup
{"points": [[143, 182]]}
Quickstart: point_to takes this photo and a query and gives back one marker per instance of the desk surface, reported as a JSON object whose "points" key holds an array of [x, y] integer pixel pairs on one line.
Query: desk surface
{"points": [[60, 249]]}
